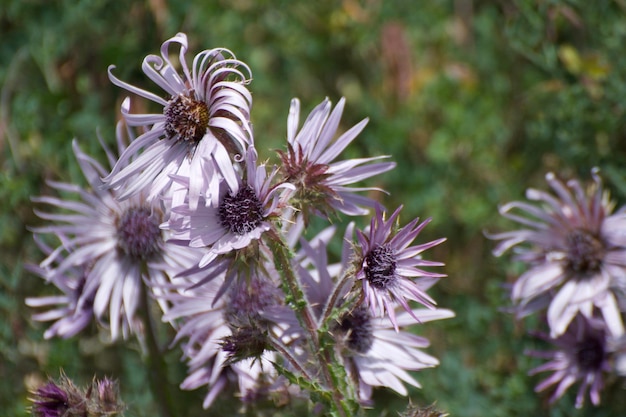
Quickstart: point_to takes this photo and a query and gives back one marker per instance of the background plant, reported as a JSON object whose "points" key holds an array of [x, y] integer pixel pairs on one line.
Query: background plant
{"points": [[475, 101]]}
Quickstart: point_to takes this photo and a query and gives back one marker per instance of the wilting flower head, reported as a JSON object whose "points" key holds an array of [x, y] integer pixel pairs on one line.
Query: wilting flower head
{"points": [[115, 246], [584, 353], [388, 267], [206, 113], [574, 248], [321, 184]]}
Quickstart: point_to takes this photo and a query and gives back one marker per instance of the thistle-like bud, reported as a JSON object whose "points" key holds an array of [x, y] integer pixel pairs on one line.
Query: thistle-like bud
{"points": [[245, 342], [64, 399], [415, 411]]}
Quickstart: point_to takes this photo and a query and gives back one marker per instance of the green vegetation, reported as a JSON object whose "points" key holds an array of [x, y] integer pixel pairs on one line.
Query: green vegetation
{"points": [[474, 100]]}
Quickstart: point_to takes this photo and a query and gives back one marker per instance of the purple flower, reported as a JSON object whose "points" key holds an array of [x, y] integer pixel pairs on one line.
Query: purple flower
{"points": [[69, 316], [64, 399], [376, 351], [583, 354], [50, 401], [114, 246], [206, 114], [388, 267], [575, 250], [379, 353], [322, 185], [234, 223], [209, 330]]}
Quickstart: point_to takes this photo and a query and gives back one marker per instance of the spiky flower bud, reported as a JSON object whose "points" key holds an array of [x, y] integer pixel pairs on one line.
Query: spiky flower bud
{"points": [[415, 411], [64, 399]]}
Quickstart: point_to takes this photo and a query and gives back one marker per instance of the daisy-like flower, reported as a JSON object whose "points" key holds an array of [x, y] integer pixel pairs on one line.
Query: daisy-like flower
{"points": [[389, 269], [116, 246], [323, 185], [575, 249], [242, 214], [584, 352], [376, 351], [205, 114]]}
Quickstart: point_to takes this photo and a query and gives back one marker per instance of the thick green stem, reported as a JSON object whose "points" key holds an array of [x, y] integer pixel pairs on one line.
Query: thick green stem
{"points": [[157, 368], [295, 295]]}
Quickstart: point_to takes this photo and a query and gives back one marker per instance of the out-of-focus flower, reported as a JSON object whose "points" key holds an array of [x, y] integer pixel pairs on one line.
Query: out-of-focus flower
{"points": [[206, 114], [235, 223], [64, 399], [116, 248], [321, 184], [583, 353], [69, 317], [389, 269], [575, 249], [212, 335]]}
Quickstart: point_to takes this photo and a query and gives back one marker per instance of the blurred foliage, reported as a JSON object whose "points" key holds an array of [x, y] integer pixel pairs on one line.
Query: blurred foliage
{"points": [[474, 100]]}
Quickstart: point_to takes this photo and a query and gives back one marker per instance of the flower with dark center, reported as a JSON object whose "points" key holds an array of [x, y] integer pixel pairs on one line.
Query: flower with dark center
{"points": [[390, 269], [574, 247], [108, 249], [234, 224], [323, 186], [206, 117], [583, 354], [376, 351]]}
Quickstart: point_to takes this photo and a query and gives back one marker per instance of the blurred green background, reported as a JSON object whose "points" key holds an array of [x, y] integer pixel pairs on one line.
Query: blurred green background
{"points": [[474, 100]]}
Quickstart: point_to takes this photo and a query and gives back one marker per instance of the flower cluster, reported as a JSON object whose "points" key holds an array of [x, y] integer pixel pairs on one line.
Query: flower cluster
{"points": [[574, 246], [188, 216], [64, 399]]}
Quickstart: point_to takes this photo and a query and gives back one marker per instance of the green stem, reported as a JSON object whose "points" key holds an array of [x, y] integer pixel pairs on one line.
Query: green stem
{"points": [[157, 368], [282, 259]]}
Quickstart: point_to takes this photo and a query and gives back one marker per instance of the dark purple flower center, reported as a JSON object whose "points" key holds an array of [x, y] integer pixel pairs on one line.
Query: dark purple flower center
{"points": [[186, 118], [380, 266], [138, 233], [241, 213], [357, 325], [584, 252], [590, 354]]}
